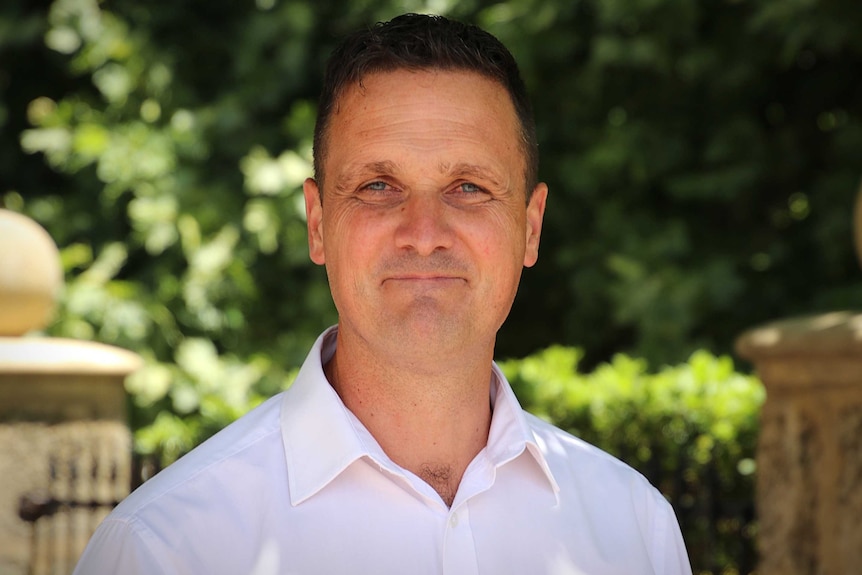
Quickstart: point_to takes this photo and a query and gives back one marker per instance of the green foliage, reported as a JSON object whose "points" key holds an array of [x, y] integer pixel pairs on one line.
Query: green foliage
{"points": [[702, 159], [691, 429]]}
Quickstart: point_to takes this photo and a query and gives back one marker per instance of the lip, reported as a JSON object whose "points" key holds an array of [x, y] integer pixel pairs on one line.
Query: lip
{"points": [[424, 279]]}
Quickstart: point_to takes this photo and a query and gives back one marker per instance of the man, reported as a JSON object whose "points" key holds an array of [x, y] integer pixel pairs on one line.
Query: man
{"points": [[400, 447]]}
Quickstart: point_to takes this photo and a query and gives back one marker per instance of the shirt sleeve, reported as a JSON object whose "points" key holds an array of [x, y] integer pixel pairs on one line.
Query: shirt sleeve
{"points": [[670, 555], [120, 546]]}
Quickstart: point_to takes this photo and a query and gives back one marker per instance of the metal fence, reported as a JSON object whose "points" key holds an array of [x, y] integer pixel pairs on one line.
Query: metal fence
{"points": [[62, 518]]}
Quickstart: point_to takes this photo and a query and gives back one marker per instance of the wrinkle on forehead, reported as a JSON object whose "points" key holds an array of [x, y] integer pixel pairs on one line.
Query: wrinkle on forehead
{"points": [[375, 111]]}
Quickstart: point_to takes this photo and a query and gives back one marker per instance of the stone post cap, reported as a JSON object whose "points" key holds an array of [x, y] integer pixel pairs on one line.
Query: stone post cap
{"points": [[58, 356], [830, 334], [31, 275]]}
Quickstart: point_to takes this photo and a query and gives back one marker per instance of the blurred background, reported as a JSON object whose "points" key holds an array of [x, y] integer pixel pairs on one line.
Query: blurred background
{"points": [[703, 159]]}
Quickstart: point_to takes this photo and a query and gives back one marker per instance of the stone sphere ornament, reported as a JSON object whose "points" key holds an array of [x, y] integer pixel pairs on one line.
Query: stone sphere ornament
{"points": [[31, 275]]}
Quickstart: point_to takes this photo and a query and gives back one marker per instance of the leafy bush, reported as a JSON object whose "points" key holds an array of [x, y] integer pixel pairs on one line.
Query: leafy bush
{"points": [[691, 429]]}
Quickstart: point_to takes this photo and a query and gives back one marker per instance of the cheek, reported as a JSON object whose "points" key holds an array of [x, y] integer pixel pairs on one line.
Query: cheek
{"points": [[502, 258], [502, 238], [352, 243]]}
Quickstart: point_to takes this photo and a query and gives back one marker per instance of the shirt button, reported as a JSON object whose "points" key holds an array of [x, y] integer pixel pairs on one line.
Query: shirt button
{"points": [[453, 520]]}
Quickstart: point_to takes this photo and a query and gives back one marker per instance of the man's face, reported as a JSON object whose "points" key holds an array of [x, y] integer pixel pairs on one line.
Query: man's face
{"points": [[424, 225]]}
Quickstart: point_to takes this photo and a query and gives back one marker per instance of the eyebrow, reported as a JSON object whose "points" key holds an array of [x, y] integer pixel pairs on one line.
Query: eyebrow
{"points": [[464, 169], [383, 167], [342, 179]]}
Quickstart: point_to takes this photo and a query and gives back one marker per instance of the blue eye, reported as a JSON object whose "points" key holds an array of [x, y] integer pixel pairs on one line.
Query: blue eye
{"points": [[376, 186], [469, 188]]}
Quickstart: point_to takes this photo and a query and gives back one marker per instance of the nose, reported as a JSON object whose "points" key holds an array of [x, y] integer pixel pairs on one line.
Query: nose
{"points": [[423, 225]]}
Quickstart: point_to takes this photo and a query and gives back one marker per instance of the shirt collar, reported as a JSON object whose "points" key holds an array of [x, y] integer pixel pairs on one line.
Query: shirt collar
{"points": [[322, 437], [511, 433]]}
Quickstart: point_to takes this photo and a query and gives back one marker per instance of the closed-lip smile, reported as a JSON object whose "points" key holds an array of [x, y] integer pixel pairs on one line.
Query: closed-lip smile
{"points": [[423, 277]]}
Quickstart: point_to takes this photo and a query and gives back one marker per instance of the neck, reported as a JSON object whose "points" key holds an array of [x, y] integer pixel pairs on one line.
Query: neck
{"points": [[430, 419]]}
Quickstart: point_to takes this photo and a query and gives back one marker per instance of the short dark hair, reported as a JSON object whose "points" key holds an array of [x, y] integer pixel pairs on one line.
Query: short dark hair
{"points": [[423, 42]]}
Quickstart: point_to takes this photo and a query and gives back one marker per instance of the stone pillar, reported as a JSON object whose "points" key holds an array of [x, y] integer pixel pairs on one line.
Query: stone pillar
{"points": [[809, 457], [65, 445]]}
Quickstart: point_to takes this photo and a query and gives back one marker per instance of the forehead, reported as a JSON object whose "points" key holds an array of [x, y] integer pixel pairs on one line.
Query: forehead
{"points": [[427, 109]]}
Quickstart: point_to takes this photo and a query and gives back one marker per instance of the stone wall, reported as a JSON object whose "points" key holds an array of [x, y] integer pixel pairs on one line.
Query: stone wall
{"points": [[809, 461], [65, 448]]}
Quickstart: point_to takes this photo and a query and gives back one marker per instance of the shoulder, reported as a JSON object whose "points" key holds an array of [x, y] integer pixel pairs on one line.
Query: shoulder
{"points": [[193, 514], [562, 443], [616, 500], [580, 466], [240, 447]]}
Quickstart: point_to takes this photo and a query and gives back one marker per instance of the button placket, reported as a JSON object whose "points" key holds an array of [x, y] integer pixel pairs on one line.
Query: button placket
{"points": [[459, 555]]}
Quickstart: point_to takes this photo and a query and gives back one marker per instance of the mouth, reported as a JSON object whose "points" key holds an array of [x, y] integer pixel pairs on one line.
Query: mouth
{"points": [[424, 279]]}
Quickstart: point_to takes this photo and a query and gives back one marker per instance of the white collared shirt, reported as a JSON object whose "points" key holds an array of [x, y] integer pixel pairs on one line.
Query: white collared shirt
{"points": [[299, 486]]}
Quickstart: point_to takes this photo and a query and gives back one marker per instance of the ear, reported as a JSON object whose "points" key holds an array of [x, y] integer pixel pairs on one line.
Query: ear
{"points": [[314, 217], [535, 215]]}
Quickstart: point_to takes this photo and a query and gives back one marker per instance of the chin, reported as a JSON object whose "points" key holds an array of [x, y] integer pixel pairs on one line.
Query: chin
{"points": [[437, 334]]}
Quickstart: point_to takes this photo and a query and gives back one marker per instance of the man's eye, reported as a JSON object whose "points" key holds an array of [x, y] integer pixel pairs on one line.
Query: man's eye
{"points": [[377, 186], [469, 188]]}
